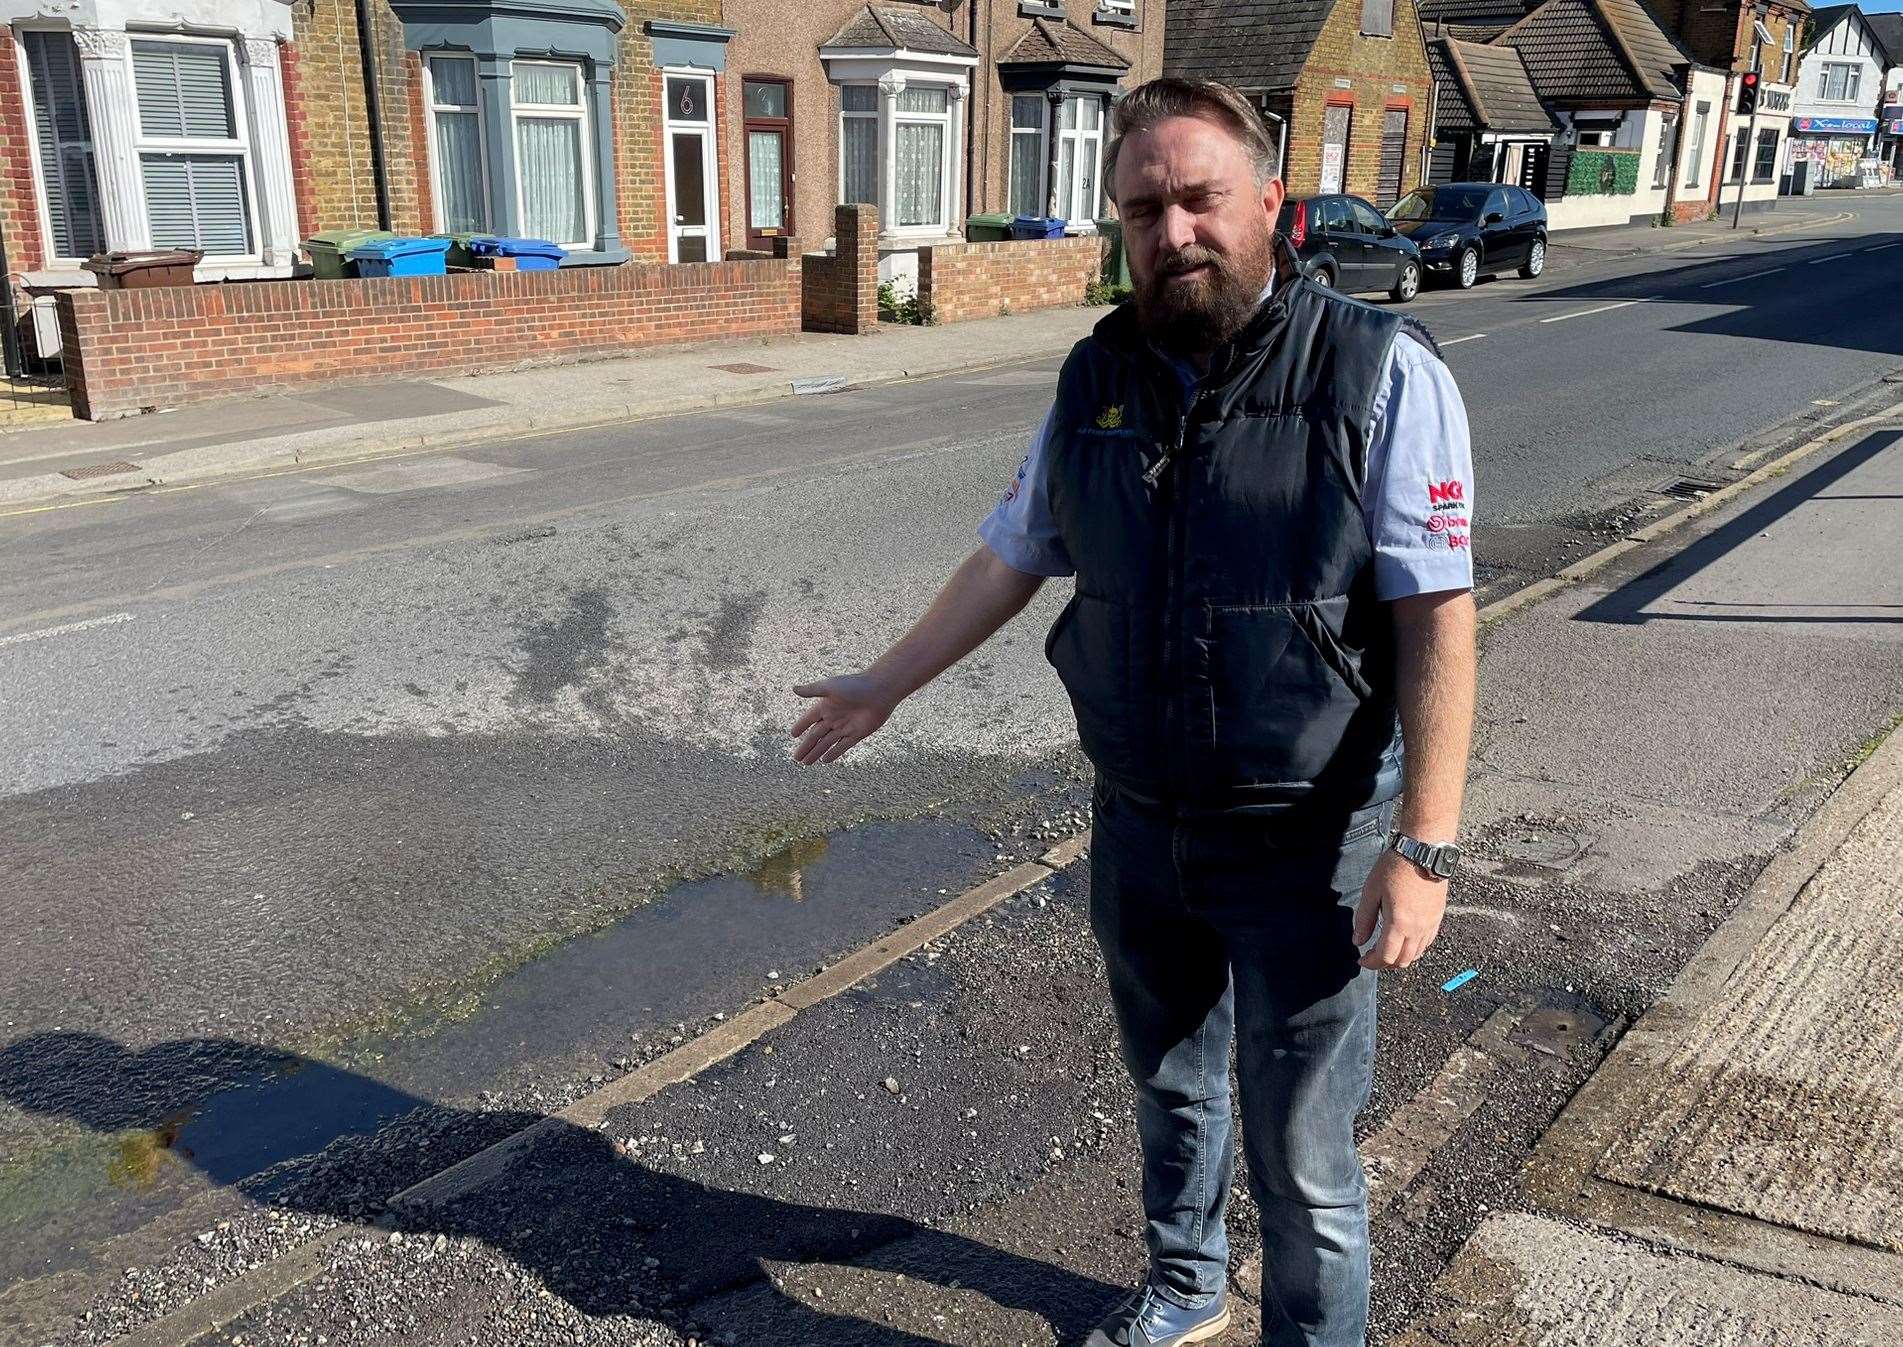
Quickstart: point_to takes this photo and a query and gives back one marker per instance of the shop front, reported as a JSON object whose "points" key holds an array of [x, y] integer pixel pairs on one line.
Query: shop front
{"points": [[1831, 147]]}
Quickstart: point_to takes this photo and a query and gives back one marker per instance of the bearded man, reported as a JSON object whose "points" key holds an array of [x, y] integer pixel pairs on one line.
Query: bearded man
{"points": [[1263, 489]]}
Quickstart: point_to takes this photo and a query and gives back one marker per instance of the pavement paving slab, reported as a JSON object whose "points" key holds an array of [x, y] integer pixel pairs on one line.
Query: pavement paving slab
{"points": [[1525, 1281], [1782, 1100]]}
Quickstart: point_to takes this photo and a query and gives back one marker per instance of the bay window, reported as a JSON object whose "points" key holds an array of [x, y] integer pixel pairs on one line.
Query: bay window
{"points": [[520, 123], [462, 203], [922, 133], [1027, 154], [859, 145], [193, 155], [550, 152]]}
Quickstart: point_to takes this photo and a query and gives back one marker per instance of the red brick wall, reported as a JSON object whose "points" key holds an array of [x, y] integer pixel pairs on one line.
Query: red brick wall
{"points": [[19, 207], [841, 292], [1381, 73], [131, 349], [296, 120], [419, 144], [982, 280]]}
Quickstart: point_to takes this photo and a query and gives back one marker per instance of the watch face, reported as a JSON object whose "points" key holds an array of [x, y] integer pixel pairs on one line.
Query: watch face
{"points": [[1447, 862]]}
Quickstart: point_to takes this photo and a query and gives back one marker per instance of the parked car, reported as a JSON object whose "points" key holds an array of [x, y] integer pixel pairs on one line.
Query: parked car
{"points": [[1467, 230], [1342, 241]]}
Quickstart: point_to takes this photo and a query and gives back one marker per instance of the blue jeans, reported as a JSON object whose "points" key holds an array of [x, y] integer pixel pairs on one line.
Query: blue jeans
{"points": [[1241, 928]]}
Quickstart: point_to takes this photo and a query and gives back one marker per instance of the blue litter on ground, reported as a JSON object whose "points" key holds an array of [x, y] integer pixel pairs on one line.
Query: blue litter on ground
{"points": [[1459, 980]]}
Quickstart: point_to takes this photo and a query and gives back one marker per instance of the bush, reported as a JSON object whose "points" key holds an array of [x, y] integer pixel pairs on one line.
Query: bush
{"points": [[1105, 292], [901, 308]]}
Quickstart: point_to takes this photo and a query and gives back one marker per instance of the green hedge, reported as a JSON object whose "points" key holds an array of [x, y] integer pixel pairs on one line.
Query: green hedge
{"points": [[1599, 172]]}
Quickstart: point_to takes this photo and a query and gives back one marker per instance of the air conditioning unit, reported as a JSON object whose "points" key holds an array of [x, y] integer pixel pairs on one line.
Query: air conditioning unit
{"points": [[46, 327]]}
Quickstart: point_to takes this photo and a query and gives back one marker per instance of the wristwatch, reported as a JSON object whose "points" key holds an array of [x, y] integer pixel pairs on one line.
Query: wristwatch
{"points": [[1438, 859]]}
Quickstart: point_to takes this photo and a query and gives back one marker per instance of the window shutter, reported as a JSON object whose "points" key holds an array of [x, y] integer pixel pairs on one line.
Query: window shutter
{"points": [[63, 138], [197, 201], [183, 91]]}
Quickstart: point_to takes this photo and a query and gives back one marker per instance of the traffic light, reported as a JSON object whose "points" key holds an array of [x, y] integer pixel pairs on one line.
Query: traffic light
{"points": [[1747, 93]]}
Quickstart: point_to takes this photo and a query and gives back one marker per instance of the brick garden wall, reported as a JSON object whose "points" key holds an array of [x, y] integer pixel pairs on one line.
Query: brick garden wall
{"points": [[131, 349], [961, 281], [842, 290]]}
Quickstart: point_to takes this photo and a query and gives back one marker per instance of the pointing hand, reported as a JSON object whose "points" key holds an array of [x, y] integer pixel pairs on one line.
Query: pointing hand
{"points": [[846, 710]]}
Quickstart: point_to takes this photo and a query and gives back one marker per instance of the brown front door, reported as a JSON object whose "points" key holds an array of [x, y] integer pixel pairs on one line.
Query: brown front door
{"points": [[768, 128]]}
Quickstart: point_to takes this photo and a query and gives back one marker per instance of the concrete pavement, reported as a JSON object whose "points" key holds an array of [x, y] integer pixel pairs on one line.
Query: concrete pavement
{"points": [[1752, 1120]]}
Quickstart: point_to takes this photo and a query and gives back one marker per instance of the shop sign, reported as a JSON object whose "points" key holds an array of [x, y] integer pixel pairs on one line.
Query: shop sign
{"points": [[1835, 126]]}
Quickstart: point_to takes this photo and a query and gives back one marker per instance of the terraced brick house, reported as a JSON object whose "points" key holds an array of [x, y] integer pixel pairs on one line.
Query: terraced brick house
{"points": [[1344, 85]]}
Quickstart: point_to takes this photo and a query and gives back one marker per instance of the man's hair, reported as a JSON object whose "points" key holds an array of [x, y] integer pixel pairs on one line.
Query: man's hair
{"points": [[1148, 104]]}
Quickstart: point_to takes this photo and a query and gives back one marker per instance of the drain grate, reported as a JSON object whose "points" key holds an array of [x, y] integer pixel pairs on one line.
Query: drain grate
{"points": [[100, 470], [742, 367], [1689, 488]]}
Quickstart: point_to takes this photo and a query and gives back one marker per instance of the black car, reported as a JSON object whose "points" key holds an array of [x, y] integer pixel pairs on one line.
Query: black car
{"points": [[1467, 230], [1343, 242]]}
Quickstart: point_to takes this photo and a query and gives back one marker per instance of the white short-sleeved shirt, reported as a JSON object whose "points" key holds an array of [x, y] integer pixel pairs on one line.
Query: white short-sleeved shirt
{"points": [[1418, 501]]}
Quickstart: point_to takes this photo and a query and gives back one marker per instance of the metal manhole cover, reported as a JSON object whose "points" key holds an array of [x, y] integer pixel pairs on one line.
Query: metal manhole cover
{"points": [[1558, 1030], [100, 470], [742, 367]]}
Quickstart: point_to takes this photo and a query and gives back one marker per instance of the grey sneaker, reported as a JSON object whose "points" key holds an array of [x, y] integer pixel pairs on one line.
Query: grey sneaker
{"points": [[1146, 1319]]}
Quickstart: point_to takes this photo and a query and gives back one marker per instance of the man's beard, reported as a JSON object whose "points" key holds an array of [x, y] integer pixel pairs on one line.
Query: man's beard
{"points": [[1196, 316]]}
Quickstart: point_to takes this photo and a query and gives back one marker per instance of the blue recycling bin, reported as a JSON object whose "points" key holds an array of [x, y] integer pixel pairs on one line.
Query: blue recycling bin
{"points": [[400, 257], [529, 254], [1037, 227]]}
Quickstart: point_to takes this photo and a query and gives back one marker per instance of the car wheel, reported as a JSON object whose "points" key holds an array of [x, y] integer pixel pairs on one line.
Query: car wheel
{"points": [[1323, 277], [1535, 260], [1408, 283], [1468, 270]]}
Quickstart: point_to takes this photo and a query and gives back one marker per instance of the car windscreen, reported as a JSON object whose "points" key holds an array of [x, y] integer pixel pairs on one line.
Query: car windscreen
{"points": [[1440, 203]]}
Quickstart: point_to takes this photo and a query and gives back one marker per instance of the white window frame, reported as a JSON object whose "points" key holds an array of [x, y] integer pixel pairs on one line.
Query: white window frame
{"points": [[577, 112], [1038, 132], [482, 135], [878, 141], [1122, 8], [1852, 81], [1079, 137], [239, 147], [709, 161], [40, 202], [1790, 48], [889, 156]]}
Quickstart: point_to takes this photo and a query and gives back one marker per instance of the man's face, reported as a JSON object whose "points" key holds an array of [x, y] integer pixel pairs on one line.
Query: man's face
{"points": [[1199, 231]]}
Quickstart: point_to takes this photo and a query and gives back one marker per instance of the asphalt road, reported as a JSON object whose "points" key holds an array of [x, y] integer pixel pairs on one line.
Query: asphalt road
{"points": [[292, 759]]}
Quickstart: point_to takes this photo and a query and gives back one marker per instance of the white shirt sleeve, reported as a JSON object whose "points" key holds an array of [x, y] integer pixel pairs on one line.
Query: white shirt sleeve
{"points": [[1021, 529], [1419, 494]]}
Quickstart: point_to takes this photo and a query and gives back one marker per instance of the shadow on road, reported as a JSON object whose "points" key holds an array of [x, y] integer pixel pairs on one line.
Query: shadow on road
{"points": [[1785, 307], [608, 1235], [1631, 601]]}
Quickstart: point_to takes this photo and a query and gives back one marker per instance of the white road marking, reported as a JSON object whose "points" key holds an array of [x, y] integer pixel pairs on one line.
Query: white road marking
{"points": [[1455, 341], [1585, 313], [20, 638], [1819, 261], [1749, 276], [1881, 246]]}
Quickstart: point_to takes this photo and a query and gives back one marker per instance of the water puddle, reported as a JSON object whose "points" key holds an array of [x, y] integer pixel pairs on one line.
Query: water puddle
{"points": [[212, 1112]]}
